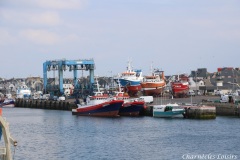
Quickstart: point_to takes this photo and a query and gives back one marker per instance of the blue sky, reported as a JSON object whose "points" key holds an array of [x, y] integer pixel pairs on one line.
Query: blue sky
{"points": [[176, 36]]}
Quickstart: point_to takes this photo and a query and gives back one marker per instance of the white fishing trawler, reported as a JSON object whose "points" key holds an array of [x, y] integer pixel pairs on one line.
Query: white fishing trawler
{"points": [[23, 91]]}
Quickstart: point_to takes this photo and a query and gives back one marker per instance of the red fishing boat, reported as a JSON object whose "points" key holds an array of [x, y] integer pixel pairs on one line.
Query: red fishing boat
{"points": [[98, 105], [131, 106], [180, 86], [104, 109], [132, 90]]}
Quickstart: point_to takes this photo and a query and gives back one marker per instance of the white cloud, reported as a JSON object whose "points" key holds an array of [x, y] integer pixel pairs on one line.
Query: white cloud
{"points": [[52, 4], [219, 28], [206, 23], [46, 18], [60, 4], [229, 34], [30, 18], [7, 14], [6, 37], [42, 37], [72, 37]]}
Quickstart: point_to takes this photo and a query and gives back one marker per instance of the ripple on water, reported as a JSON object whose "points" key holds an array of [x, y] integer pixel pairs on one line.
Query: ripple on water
{"points": [[50, 134]]}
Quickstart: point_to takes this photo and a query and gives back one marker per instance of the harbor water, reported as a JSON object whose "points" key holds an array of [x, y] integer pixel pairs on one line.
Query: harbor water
{"points": [[58, 135]]}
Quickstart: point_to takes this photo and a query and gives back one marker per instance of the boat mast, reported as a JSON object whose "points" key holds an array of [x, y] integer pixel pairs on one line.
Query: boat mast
{"points": [[98, 89], [119, 87], [151, 69], [129, 67]]}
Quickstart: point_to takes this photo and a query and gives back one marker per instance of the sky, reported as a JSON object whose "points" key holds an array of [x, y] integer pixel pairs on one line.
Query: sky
{"points": [[176, 36]]}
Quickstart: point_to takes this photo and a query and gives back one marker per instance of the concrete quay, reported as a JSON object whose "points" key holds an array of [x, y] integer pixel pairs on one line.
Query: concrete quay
{"points": [[199, 107], [200, 112], [225, 109], [191, 112], [45, 104]]}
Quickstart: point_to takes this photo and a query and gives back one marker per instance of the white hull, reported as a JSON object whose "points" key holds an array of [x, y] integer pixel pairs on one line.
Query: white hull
{"points": [[147, 89], [8, 106], [170, 114], [8, 103], [168, 111]]}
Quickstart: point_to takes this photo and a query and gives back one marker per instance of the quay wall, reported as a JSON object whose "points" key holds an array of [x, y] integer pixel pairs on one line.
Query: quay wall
{"points": [[225, 109], [191, 112], [45, 104], [221, 109], [200, 112]]}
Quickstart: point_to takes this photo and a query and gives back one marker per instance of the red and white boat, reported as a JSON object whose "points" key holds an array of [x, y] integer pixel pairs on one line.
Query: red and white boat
{"points": [[154, 84], [99, 105], [130, 80], [180, 86], [131, 106]]}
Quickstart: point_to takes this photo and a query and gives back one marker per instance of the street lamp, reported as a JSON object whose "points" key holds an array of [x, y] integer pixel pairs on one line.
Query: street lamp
{"points": [[233, 78], [191, 99], [196, 73]]}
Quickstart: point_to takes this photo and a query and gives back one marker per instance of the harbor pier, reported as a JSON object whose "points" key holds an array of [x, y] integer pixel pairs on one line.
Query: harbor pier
{"points": [[226, 109], [45, 104], [192, 112], [207, 110], [200, 112]]}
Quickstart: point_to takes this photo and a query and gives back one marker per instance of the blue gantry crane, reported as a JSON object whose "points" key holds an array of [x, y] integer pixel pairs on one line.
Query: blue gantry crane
{"points": [[72, 65]]}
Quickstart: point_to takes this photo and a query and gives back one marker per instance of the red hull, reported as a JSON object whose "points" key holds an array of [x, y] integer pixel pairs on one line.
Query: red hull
{"points": [[179, 89], [102, 114], [132, 108], [131, 114], [153, 92], [106, 109], [133, 90]]}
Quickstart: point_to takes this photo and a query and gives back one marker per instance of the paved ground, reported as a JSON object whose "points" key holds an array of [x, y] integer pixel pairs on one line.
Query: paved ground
{"points": [[189, 100], [165, 100]]}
